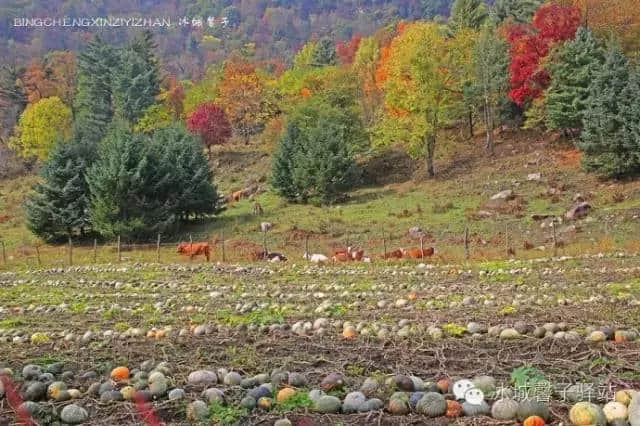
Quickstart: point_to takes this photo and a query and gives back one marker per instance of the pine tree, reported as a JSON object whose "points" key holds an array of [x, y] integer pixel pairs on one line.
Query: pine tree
{"points": [[59, 205], [314, 162], [324, 53], [282, 169], [126, 187], [517, 11], [137, 81], [468, 14], [572, 69], [187, 178], [610, 140], [92, 106]]}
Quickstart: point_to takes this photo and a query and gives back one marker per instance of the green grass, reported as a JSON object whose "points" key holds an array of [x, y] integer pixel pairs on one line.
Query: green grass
{"points": [[9, 323], [226, 415], [299, 401]]}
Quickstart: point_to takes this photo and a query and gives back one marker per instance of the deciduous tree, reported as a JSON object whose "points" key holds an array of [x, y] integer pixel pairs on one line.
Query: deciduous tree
{"points": [[530, 45], [40, 126], [423, 77], [210, 122]]}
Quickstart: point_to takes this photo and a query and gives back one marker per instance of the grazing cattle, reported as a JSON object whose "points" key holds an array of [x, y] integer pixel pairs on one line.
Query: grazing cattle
{"points": [[356, 255], [271, 257], [341, 256], [236, 196], [316, 258], [396, 254], [416, 253], [195, 249]]}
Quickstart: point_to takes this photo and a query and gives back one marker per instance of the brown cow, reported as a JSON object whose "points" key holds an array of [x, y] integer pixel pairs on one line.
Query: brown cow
{"points": [[396, 254], [195, 249], [416, 253]]}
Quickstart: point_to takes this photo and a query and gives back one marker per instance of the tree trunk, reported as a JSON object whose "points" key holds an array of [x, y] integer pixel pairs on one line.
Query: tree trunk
{"points": [[431, 146], [489, 124]]}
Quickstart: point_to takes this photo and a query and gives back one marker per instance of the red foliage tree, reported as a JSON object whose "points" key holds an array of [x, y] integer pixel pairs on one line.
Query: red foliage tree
{"points": [[530, 44], [346, 51], [211, 123]]}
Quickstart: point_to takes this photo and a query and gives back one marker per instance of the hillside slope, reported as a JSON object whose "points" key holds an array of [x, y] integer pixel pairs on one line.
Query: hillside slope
{"points": [[395, 196]]}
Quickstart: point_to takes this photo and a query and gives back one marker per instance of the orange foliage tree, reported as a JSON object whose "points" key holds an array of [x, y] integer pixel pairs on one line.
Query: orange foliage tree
{"points": [[244, 97], [618, 17]]}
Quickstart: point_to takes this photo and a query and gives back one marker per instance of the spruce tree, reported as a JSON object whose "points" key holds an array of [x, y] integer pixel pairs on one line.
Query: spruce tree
{"points": [[186, 178], [517, 11], [126, 187], [283, 164], [572, 69], [92, 105], [610, 140], [137, 81], [467, 14], [314, 162], [324, 53], [59, 205]]}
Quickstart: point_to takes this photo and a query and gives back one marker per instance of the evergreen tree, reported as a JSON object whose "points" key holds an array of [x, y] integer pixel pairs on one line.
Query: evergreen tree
{"points": [[137, 81], [468, 14], [610, 140], [572, 69], [283, 164], [324, 53], [126, 186], [92, 106], [314, 162], [59, 205], [433, 8], [517, 11], [187, 179]]}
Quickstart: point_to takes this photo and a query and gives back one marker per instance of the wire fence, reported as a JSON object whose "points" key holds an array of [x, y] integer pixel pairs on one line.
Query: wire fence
{"points": [[520, 238]]}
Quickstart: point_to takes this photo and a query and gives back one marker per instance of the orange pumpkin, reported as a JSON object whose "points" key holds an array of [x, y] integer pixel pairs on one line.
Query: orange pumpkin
{"points": [[444, 385], [120, 374], [349, 333], [454, 409], [620, 336], [534, 421]]}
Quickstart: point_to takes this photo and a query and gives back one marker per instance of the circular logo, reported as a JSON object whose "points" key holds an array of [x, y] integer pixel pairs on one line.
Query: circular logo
{"points": [[461, 387]]}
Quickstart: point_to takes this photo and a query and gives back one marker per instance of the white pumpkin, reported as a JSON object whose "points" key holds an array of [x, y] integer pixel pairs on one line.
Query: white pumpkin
{"points": [[615, 411]]}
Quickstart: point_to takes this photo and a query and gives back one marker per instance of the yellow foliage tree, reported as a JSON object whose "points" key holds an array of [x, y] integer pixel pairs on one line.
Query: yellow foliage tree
{"points": [[40, 126], [424, 75]]}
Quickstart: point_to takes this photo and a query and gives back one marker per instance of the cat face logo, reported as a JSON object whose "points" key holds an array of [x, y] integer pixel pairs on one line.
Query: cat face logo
{"points": [[461, 387], [474, 396]]}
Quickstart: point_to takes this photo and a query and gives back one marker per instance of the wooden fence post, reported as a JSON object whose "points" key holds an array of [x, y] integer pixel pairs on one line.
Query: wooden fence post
{"points": [[506, 237], [4, 252], [422, 247], [70, 252], [95, 250], [555, 240], [264, 242], [224, 257], [384, 244], [466, 242], [158, 249], [38, 254], [306, 246], [119, 251], [191, 248]]}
